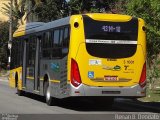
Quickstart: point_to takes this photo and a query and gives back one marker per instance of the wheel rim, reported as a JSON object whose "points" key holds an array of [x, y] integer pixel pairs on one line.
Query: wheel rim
{"points": [[48, 95]]}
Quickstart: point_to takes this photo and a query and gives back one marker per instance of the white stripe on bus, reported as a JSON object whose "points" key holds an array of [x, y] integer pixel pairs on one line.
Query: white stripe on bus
{"points": [[110, 41]]}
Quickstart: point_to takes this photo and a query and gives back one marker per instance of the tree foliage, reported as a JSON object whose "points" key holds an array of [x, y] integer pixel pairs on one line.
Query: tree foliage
{"points": [[149, 10], [4, 36], [51, 10], [18, 10], [92, 6]]}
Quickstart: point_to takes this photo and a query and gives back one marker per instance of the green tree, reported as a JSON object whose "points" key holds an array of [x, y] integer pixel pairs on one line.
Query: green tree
{"points": [[149, 10], [51, 10], [18, 10], [4, 36], [92, 6], [30, 7], [79, 6]]}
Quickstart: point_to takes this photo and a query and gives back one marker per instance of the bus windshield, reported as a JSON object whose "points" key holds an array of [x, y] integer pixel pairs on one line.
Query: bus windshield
{"points": [[110, 39]]}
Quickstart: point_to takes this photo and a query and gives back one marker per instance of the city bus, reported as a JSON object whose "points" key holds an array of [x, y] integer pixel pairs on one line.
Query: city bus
{"points": [[96, 56]]}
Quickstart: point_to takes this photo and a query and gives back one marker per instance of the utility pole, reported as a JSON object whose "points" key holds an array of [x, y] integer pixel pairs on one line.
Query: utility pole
{"points": [[10, 32], [10, 20]]}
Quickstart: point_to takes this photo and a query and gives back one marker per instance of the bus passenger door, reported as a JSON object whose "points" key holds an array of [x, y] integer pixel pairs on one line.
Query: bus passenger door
{"points": [[24, 63], [37, 65], [30, 63]]}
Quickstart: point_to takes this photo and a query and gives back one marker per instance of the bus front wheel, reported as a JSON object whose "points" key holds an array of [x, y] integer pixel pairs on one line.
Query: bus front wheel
{"points": [[20, 92], [49, 99]]}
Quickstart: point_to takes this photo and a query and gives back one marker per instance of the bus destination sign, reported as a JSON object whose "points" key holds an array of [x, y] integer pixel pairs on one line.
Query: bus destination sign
{"points": [[107, 28]]}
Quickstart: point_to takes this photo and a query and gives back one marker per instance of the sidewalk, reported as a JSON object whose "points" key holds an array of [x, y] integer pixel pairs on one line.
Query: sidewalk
{"points": [[4, 78]]}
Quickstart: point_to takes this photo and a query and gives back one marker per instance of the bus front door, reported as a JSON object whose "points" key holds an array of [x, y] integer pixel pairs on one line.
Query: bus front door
{"points": [[24, 64], [37, 65]]}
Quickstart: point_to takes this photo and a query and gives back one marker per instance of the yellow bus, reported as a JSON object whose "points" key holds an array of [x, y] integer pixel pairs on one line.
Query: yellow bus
{"points": [[98, 56]]}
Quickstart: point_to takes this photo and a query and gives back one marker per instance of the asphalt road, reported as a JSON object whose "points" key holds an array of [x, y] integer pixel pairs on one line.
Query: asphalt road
{"points": [[11, 103]]}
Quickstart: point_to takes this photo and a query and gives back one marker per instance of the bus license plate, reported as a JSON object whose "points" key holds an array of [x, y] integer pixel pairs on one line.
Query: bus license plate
{"points": [[111, 78]]}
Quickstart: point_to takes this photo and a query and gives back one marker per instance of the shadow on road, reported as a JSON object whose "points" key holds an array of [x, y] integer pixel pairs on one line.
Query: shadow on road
{"points": [[125, 106], [34, 97], [84, 105]]}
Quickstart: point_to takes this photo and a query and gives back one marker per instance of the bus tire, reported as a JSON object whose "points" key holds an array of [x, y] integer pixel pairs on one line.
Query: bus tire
{"points": [[49, 99], [20, 92]]}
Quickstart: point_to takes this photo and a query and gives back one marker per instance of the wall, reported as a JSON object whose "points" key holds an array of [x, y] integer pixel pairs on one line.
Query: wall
{"points": [[2, 16]]}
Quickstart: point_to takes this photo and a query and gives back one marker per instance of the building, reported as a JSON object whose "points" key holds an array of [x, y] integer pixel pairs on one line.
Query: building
{"points": [[2, 16]]}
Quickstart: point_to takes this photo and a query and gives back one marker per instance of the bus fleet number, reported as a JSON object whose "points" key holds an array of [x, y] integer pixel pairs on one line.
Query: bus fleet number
{"points": [[128, 62]]}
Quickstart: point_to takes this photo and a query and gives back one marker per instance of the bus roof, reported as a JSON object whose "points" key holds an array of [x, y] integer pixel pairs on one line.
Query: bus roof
{"points": [[34, 27]]}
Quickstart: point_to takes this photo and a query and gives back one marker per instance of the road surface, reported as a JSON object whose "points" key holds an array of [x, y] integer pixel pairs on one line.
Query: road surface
{"points": [[11, 103]]}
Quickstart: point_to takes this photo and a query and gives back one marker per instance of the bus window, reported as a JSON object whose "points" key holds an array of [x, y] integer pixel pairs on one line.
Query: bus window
{"points": [[47, 45], [61, 37], [56, 38], [66, 37], [31, 52], [65, 41], [21, 51], [119, 39]]}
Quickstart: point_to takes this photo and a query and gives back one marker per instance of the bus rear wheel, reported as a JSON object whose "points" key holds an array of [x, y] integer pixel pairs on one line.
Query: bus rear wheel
{"points": [[20, 92], [49, 99]]}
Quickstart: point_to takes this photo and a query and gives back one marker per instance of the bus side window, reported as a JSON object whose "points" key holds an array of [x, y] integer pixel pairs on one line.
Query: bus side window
{"points": [[65, 41], [40, 38], [61, 37], [56, 44], [66, 37], [43, 45], [17, 53], [21, 51], [56, 38], [47, 45]]}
